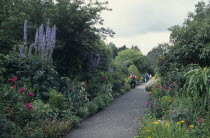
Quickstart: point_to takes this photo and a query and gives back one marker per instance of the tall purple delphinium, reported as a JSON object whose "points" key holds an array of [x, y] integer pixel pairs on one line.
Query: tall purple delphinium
{"points": [[41, 32], [44, 41], [94, 60], [36, 38], [30, 49], [25, 32], [48, 37], [98, 58], [53, 38], [21, 50], [43, 46]]}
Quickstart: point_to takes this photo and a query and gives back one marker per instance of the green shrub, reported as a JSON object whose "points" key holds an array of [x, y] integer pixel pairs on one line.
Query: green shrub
{"points": [[69, 115], [92, 107], [103, 100], [134, 69], [57, 100], [197, 85], [42, 110], [100, 102], [76, 95], [126, 87], [56, 129], [83, 112]]}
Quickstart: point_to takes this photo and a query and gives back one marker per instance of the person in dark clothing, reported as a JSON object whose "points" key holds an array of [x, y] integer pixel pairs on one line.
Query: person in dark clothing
{"points": [[133, 80], [146, 78]]}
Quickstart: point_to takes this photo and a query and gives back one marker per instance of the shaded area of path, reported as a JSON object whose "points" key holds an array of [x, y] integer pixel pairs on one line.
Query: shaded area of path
{"points": [[120, 120]]}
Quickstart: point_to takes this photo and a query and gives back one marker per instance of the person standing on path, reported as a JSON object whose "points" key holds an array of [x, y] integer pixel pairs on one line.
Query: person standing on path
{"points": [[146, 77], [133, 80]]}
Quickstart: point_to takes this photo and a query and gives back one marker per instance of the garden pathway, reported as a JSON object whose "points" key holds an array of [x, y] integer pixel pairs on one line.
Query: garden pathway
{"points": [[120, 120]]}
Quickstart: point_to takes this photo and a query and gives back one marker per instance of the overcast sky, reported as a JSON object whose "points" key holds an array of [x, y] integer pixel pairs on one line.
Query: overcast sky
{"points": [[145, 23]]}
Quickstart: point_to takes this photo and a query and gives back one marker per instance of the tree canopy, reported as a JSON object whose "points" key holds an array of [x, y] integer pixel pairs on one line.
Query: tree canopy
{"points": [[77, 34]]}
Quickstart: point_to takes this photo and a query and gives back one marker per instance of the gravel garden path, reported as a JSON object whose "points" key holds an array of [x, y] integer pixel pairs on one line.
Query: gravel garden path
{"points": [[120, 120]]}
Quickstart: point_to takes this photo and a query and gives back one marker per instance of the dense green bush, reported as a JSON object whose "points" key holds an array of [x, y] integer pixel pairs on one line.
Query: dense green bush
{"points": [[83, 112], [57, 100], [92, 107], [56, 128], [197, 85], [103, 100], [134, 69]]}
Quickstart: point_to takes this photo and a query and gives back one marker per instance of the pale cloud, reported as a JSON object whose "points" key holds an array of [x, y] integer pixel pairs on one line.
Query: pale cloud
{"points": [[143, 41], [145, 22]]}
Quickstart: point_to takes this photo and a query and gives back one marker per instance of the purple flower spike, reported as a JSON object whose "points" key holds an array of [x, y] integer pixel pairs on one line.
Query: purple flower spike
{"points": [[36, 38], [43, 44], [48, 37], [30, 49], [25, 32], [21, 50], [53, 37], [41, 32]]}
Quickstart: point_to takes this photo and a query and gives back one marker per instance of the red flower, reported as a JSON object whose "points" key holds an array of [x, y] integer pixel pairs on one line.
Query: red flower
{"points": [[200, 120], [103, 77], [85, 83], [31, 94], [28, 106], [71, 88], [13, 87], [21, 90], [14, 79]]}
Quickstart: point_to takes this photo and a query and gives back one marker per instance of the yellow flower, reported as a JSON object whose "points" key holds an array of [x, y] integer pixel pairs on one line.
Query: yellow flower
{"points": [[182, 121], [191, 126], [149, 137], [148, 130], [167, 124], [156, 123], [178, 123]]}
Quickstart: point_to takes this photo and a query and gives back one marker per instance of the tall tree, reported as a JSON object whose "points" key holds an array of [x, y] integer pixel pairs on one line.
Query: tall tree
{"points": [[130, 56]]}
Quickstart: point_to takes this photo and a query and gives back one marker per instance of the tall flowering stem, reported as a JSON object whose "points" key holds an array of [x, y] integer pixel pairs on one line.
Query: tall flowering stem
{"points": [[21, 50], [44, 43], [25, 32], [41, 32], [43, 46], [36, 38], [53, 38]]}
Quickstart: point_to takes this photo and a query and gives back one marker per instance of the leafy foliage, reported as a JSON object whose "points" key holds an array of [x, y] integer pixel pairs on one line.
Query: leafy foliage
{"points": [[134, 69], [130, 56], [197, 84]]}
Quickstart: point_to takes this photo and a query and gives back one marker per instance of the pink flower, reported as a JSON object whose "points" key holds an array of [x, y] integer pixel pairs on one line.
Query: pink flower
{"points": [[28, 106], [164, 88], [72, 82], [104, 77], [85, 83], [71, 88], [13, 87], [14, 79], [21, 90], [171, 84], [169, 88], [200, 120], [31, 94]]}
